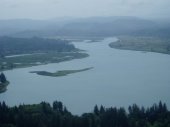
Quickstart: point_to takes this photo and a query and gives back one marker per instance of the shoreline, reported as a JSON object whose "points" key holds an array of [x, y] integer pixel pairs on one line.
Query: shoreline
{"points": [[11, 63], [3, 86], [143, 44]]}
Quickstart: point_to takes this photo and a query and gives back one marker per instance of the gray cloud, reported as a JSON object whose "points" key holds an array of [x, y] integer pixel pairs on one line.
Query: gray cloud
{"points": [[42, 9]]}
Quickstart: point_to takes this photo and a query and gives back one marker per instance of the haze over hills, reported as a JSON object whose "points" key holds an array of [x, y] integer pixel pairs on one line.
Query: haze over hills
{"points": [[94, 26], [103, 26], [17, 26], [85, 53]]}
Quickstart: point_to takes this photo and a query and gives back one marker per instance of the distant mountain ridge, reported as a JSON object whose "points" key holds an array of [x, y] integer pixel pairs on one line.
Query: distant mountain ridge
{"points": [[94, 26], [106, 26]]}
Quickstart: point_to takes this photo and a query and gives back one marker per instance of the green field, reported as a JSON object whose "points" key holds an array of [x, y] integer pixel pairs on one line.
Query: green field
{"points": [[148, 44], [7, 63], [60, 73]]}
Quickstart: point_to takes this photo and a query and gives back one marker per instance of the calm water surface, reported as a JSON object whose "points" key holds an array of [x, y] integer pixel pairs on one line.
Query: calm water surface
{"points": [[119, 78]]}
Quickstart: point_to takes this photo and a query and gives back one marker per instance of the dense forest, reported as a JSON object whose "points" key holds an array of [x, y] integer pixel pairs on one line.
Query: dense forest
{"points": [[12, 46], [57, 115]]}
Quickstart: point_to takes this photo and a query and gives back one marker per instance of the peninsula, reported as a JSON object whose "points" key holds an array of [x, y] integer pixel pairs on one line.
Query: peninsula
{"points": [[26, 52], [142, 43]]}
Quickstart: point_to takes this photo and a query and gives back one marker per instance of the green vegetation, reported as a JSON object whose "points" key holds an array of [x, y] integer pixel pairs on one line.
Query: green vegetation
{"points": [[148, 44], [3, 86], [60, 73], [35, 51], [13, 46], [38, 59], [57, 115], [3, 83]]}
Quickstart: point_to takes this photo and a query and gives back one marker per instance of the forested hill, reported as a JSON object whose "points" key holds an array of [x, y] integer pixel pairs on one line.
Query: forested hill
{"points": [[45, 115], [12, 46]]}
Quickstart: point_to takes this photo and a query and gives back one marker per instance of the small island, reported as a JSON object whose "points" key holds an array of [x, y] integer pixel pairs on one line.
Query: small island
{"points": [[60, 73], [3, 83]]}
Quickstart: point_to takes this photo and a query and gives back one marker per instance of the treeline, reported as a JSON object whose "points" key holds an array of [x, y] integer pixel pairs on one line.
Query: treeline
{"points": [[12, 46], [57, 115]]}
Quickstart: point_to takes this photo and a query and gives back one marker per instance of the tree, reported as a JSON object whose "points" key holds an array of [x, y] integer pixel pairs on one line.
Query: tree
{"points": [[102, 109], [2, 78], [58, 106], [96, 110]]}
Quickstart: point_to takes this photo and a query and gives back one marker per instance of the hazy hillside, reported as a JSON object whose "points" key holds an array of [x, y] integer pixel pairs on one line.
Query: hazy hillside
{"points": [[8, 27], [108, 26], [95, 26], [28, 27]]}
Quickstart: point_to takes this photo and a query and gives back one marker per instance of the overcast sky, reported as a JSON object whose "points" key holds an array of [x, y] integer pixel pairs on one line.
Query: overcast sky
{"points": [[48, 9]]}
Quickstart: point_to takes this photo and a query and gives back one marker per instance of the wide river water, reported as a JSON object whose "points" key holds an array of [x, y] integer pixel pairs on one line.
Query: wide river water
{"points": [[119, 78]]}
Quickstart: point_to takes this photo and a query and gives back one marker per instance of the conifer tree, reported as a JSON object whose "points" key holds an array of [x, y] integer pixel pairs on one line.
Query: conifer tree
{"points": [[2, 78]]}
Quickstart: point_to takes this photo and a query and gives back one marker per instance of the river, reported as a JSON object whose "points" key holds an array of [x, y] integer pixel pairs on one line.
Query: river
{"points": [[119, 78]]}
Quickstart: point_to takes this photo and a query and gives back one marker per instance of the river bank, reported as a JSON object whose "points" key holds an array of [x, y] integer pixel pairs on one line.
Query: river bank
{"points": [[22, 61], [3, 86], [146, 44]]}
